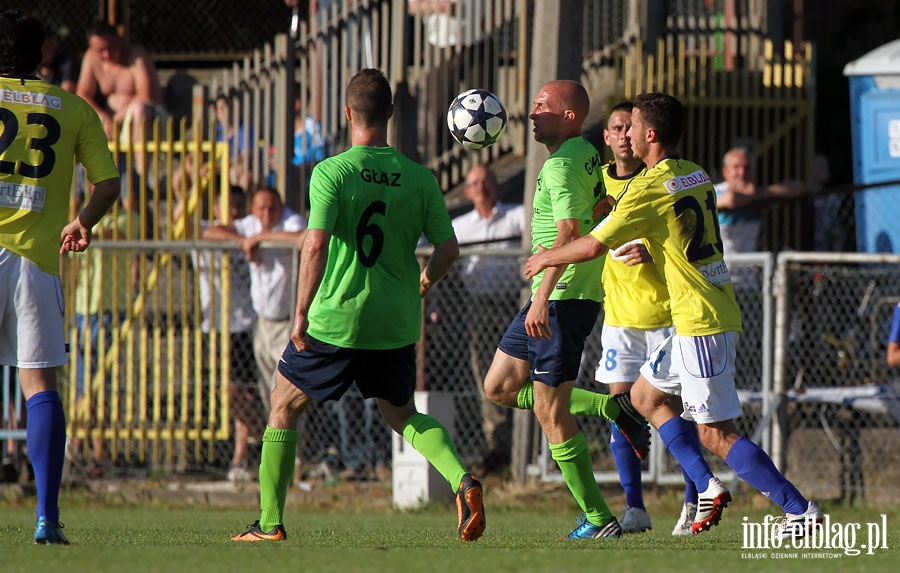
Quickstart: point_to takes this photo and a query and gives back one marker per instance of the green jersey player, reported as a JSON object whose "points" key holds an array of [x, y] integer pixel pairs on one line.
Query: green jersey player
{"points": [[359, 304]]}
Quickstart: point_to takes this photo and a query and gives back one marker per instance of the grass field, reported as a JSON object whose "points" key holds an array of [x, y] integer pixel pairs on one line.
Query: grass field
{"points": [[342, 532]]}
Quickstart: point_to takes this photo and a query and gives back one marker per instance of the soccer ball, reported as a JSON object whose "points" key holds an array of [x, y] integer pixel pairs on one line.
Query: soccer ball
{"points": [[476, 118]]}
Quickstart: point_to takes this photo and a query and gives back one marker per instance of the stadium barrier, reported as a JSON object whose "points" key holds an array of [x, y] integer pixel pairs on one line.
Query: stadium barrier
{"points": [[811, 373]]}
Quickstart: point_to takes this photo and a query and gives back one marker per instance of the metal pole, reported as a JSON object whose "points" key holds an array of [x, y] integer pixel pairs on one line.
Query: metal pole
{"points": [[292, 195]]}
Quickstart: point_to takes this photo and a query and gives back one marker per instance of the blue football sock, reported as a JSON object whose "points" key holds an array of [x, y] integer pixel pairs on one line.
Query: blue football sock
{"points": [[629, 467], [680, 438], [755, 467], [46, 440], [690, 490]]}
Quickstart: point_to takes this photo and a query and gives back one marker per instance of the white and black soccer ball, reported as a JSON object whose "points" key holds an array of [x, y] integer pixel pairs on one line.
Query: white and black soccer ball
{"points": [[476, 118]]}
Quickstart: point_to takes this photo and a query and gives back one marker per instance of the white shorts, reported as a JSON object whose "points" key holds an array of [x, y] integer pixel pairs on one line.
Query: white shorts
{"points": [[625, 350], [32, 328], [700, 369]]}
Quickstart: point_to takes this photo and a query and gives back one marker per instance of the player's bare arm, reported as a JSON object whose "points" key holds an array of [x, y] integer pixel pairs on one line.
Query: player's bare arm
{"points": [[577, 251], [893, 354], [603, 207], [537, 322], [76, 236], [222, 233], [445, 253], [312, 269]]}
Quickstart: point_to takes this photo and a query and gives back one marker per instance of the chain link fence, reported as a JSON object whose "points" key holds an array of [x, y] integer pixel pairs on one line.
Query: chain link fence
{"points": [[839, 425], [817, 392]]}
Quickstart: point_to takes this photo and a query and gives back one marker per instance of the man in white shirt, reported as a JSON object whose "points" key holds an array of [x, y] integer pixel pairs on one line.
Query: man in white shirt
{"points": [[245, 400], [741, 201], [494, 284], [271, 274]]}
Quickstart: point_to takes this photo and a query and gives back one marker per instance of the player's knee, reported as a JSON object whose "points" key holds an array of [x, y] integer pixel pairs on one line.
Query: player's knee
{"points": [[643, 396]]}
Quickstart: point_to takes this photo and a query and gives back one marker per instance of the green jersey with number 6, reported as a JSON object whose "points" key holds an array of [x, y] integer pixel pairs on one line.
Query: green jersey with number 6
{"points": [[43, 131], [673, 206], [376, 203]]}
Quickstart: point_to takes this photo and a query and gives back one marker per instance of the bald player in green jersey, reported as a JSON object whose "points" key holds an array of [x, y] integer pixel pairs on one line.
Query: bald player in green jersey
{"points": [[545, 341], [43, 131], [359, 304], [673, 207]]}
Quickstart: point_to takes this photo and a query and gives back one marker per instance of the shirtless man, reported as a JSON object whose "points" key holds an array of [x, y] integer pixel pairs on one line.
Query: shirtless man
{"points": [[117, 79]]}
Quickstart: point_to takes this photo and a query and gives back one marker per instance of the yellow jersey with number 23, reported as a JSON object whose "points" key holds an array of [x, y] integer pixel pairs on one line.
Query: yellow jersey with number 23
{"points": [[43, 130]]}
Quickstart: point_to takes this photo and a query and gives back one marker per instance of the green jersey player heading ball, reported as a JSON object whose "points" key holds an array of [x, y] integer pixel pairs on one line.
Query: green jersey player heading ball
{"points": [[359, 304]]}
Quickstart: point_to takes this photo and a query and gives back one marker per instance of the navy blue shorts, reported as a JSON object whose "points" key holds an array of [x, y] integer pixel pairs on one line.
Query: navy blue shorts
{"points": [[324, 371], [557, 360]]}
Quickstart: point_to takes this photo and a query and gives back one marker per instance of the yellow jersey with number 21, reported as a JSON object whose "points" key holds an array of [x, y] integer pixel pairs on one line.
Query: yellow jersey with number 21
{"points": [[673, 206]]}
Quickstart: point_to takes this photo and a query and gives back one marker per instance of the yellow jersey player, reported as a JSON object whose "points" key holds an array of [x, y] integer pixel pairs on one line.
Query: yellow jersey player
{"points": [[43, 131], [673, 206], [637, 318]]}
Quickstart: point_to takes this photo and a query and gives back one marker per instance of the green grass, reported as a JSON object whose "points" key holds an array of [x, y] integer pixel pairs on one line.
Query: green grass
{"points": [[134, 538]]}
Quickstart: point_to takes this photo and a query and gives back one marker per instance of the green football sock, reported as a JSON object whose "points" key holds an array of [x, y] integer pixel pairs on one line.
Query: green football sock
{"points": [[432, 440], [582, 403], [279, 449], [574, 462]]}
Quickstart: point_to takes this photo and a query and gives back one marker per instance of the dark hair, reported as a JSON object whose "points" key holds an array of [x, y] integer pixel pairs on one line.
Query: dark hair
{"points": [[663, 113], [621, 106], [21, 41], [103, 29], [369, 97]]}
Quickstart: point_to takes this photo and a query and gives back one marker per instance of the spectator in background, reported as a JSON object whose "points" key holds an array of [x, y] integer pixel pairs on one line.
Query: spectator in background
{"points": [[119, 81], [741, 201], [243, 390], [239, 138], [106, 279], [310, 146], [271, 274], [493, 285], [828, 232], [58, 67], [448, 23], [893, 349]]}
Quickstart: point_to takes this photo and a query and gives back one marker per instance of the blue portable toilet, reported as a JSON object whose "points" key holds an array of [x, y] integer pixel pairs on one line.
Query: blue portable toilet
{"points": [[875, 128]]}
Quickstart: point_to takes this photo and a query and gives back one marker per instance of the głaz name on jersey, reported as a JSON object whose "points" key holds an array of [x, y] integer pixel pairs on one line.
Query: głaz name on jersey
{"points": [[382, 178]]}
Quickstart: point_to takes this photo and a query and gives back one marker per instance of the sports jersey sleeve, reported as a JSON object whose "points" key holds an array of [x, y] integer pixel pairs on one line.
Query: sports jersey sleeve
{"points": [[561, 181], [895, 326], [438, 226], [323, 199], [92, 149], [631, 219]]}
